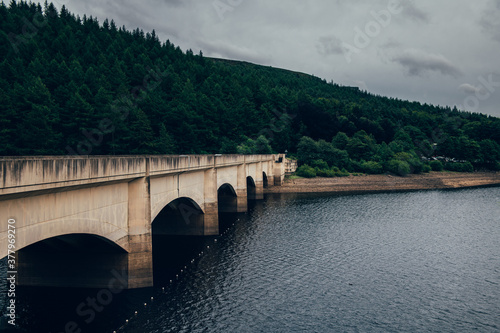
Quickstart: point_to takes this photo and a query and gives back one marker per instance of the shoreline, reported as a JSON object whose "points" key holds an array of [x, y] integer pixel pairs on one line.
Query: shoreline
{"points": [[387, 183]]}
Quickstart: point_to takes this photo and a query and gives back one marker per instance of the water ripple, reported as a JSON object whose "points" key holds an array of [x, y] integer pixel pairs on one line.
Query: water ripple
{"points": [[390, 262]]}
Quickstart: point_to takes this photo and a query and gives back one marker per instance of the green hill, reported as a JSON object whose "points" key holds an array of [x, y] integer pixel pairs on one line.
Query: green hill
{"points": [[72, 85]]}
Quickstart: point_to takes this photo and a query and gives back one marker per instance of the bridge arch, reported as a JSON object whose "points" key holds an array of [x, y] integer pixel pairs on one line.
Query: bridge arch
{"points": [[77, 241], [265, 182], [161, 198], [38, 232], [227, 199], [68, 260], [181, 216], [251, 188]]}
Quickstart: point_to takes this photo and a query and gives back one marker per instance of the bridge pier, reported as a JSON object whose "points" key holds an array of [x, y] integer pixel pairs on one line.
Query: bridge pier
{"points": [[259, 190], [259, 182], [270, 180], [140, 256], [255, 191], [241, 190], [211, 218], [241, 201], [279, 173]]}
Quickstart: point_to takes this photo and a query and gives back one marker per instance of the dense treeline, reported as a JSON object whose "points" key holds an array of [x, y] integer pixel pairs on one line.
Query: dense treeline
{"points": [[72, 85]]}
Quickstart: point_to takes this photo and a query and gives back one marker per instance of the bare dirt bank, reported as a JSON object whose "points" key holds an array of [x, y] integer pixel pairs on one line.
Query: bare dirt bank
{"points": [[383, 183]]}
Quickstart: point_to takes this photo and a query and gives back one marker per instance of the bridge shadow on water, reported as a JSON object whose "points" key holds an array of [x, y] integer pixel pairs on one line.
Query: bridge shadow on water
{"points": [[171, 254]]}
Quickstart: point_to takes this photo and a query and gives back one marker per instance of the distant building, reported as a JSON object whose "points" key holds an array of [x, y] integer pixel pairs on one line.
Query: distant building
{"points": [[290, 166]]}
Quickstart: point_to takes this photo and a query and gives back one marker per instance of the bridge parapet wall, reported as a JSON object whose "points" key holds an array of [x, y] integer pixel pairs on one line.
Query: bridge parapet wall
{"points": [[228, 160], [160, 165], [25, 174], [258, 158], [35, 173]]}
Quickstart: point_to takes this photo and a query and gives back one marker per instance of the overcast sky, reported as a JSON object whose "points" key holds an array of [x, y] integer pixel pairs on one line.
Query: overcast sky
{"points": [[442, 52]]}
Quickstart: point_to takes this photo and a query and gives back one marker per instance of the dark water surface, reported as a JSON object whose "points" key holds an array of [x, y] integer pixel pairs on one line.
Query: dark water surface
{"points": [[396, 262]]}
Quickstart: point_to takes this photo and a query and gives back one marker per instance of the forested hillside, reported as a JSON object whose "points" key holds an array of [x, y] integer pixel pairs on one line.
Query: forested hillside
{"points": [[73, 85]]}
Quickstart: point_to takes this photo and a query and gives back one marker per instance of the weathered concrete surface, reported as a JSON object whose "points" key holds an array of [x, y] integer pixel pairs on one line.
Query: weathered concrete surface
{"points": [[117, 198]]}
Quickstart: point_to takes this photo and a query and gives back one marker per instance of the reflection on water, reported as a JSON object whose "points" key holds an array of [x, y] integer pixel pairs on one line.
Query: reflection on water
{"points": [[421, 261]]}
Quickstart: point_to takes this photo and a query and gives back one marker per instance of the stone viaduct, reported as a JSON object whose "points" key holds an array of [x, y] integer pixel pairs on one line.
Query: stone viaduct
{"points": [[82, 220]]}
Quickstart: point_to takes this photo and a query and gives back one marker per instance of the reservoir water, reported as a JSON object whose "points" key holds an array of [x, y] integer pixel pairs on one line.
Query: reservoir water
{"points": [[392, 262]]}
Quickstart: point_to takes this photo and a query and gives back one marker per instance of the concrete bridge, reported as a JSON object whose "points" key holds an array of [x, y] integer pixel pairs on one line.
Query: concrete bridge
{"points": [[80, 221]]}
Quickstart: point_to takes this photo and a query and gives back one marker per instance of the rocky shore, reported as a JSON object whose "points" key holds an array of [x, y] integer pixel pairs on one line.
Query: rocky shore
{"points": [[384, 183]]}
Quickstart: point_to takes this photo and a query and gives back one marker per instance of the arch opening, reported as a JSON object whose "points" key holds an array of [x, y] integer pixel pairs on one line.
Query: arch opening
{"points": [[177, 235], [71, 260], [227, 199], [264, 180], [182, 216], [251, 189]]}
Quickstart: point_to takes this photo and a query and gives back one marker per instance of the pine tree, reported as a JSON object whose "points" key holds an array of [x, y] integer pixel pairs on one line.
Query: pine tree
{"points": [[37, 120], [164, 144], [7, 125]]}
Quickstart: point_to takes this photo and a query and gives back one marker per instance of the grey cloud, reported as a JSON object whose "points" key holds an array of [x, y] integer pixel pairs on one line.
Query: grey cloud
{"points": [[175, 3], [468, 88], [490, 22], [415, 13], [329, 45], [417, 63], [391, 44]]}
